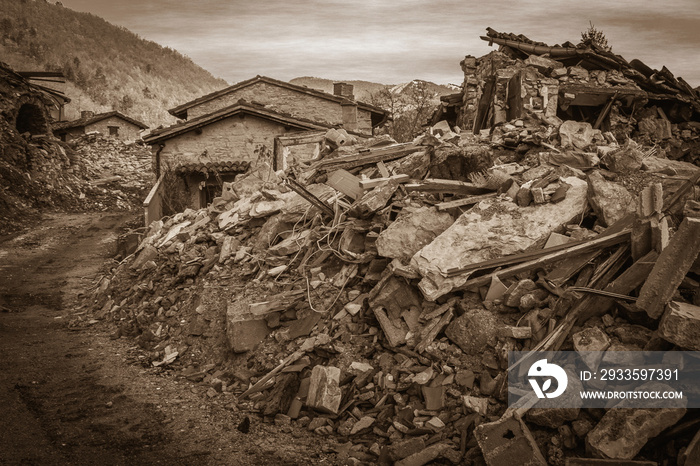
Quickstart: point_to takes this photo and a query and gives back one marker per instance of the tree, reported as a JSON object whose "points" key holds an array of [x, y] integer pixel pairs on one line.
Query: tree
{"points": [[410, 107], [596, 36]]}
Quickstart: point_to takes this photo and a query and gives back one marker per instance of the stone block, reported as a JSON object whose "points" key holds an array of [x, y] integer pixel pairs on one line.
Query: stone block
{"points": [[591, 339], [623, 432], [229, 247], [324, 390], [244, 329], [610, 201], [670, 268], [493, 228], [680, 325], [506, 442], [413, 229]]}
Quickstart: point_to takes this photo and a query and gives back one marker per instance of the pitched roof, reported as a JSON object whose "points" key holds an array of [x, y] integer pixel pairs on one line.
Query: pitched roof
{"points": [[81, 122], [181, 110], [240, 107]]}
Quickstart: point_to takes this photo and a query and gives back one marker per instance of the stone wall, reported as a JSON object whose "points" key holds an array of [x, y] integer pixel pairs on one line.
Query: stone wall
{"points": [[297, 104], [127, 131], [233, 138], [531, 91]]}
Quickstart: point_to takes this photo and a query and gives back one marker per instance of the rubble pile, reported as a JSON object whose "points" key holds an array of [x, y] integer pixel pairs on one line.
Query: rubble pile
{"points": [[41, 172], [118, 173], [373, 295]]}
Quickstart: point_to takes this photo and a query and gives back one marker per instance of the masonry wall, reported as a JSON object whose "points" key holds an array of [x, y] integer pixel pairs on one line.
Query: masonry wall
{"points": [[297, 104], [127, 131], [234, 138], [533, 91]]}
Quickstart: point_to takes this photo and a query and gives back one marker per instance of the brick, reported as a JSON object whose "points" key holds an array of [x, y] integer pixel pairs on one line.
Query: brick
{"points": [[670, 268], [503, 441]]}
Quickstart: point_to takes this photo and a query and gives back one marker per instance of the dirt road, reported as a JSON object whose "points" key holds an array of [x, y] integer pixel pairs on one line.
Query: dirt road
{"points": [[71, 395]]}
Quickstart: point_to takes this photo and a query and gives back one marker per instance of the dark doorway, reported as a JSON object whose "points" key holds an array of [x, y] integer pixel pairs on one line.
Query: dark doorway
{"points": [[30, 119]]}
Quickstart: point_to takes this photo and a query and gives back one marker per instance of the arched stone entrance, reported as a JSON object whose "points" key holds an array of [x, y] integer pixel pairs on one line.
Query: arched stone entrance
{"points": [[31, 118]]}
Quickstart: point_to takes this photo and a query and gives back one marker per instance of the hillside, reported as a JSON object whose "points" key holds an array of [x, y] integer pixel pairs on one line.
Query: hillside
{"points": [[107, 67]]}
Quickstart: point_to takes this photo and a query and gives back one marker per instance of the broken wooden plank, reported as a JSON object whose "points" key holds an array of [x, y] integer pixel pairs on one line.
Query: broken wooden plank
{"points": [[565, 270], [367, 157], [369, 184], [303, 192], [570, 251], [345, 182], [465, 201], [670, 268], [383, 170], [431, 185]]}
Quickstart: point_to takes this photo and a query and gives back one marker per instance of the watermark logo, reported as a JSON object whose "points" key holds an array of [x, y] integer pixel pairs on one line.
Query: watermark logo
{"points": [[542, 369]]}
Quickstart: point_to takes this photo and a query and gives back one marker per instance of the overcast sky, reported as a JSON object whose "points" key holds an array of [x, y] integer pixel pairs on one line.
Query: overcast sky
{"points": [[394, 41]]}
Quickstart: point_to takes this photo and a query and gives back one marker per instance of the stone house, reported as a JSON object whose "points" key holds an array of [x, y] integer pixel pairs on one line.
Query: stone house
{"points": [[26, 106], [255, 122], [112, 124]]}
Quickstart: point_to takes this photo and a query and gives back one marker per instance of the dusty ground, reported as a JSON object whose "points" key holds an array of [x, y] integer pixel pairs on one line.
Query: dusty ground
{"points": [[72, 395]]}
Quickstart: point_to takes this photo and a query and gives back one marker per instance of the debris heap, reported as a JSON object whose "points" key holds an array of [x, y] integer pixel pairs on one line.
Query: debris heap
{"points": [[366, 298], [374, 294]]}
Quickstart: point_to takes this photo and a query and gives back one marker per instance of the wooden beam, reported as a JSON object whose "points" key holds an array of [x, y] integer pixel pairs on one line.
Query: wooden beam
{"points": [[366, 157], [345, 182], [369, 184], [432, 185], [549, 258], [465, 201]]}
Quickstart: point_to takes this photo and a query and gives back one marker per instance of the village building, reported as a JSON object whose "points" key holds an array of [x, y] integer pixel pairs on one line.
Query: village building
{"points": [[27, 106], [52, 84], [258, 121], [112, 124]]}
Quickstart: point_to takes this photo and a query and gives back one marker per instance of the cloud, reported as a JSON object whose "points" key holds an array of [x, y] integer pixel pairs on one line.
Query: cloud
{"points": [[393, 41]]}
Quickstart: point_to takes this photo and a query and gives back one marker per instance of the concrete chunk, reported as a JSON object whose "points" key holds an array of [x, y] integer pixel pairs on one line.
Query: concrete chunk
{"points": [[493, 228], [670, 268], [412, 230], [680, 325], [324, 390], [506, 442]]}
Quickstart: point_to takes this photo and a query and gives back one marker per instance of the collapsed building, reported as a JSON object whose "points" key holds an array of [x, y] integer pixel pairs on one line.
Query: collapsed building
{"points": [[373, 293], [260, 121]]}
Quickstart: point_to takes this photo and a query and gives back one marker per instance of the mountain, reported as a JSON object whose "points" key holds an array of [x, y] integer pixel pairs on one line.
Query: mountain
{"points": [[366, 91], [107, 67]]}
